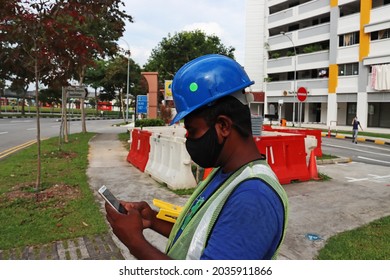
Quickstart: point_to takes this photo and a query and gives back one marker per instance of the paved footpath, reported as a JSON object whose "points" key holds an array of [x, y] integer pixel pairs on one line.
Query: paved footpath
{"points": [[357, 194]]}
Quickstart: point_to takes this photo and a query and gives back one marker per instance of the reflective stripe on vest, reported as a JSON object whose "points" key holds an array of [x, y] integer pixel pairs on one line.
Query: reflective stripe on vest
{"points": [[201, 229]]}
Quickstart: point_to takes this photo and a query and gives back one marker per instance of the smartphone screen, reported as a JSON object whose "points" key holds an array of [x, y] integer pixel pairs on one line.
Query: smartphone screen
{"points": [[112, 200]]}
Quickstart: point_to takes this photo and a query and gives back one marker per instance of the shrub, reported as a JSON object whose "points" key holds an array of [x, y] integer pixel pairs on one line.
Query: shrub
{"points": [[149, 122]]}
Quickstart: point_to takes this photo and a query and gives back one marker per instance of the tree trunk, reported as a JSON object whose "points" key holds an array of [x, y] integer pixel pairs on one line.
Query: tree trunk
{"points": [[96, 100], [83, 123], [38, 181]]}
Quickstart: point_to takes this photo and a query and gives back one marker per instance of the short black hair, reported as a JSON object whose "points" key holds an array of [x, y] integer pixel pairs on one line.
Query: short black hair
{"points": [[230, 107]]}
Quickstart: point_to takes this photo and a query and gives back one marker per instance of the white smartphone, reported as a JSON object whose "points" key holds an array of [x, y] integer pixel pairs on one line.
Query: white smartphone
{"points": [[112, 200]]}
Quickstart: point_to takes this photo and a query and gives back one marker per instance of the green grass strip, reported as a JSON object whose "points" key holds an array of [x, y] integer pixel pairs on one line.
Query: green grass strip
{"points": [[64, 208]]}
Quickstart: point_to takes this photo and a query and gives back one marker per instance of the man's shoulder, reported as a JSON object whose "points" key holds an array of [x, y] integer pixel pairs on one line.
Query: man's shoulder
{"points": [[254, 189]]}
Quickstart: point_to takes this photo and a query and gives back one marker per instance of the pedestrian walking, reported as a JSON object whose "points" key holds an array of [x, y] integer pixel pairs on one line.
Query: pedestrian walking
{"points": [[355, 129]]}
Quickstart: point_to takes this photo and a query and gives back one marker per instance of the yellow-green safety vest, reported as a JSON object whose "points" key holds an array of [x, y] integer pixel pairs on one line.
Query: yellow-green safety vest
{"points": [[193, 239]]}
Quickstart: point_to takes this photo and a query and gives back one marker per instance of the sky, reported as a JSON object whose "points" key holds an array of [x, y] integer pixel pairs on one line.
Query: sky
{"points": [[155, 19]]}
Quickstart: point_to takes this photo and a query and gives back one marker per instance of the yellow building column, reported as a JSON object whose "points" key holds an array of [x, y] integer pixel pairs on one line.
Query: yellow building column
{"points": [[365, 11]]}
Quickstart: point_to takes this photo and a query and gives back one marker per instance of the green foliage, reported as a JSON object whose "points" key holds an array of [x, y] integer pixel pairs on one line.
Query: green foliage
{"points": [[64, 208], [369, 242], [290, 53], [325, 156], [124, 138], [174, 51], [324, 177], [312, 48], [53, 41], [111, 76], [149, 122]]}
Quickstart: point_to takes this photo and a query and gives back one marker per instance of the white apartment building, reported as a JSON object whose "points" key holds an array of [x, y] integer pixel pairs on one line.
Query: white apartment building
{"points": [[337, 50]]}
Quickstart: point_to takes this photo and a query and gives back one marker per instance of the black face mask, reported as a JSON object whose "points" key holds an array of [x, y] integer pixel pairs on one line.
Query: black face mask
{"points": [[205, 150]]}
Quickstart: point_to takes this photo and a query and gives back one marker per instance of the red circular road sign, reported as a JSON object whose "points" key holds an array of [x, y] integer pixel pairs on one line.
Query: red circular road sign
{"points": [[302, 94]]}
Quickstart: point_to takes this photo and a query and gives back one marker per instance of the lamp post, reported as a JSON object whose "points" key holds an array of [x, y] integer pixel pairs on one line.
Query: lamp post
{"points": [[128, 79], [295, 73]]}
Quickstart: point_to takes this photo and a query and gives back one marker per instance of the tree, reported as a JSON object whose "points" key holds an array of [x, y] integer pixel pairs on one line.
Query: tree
{"points": [[115, 80], [54, 40], [174, 51], [94, 76], [104, 21]]}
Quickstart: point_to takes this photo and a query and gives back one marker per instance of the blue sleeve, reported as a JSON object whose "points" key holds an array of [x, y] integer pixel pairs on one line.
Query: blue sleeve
{"points": [[250, 224]]}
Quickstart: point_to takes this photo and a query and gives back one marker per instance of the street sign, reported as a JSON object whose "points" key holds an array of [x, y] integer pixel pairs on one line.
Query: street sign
{"points": [[142, 104], [302, 94], [76, 92]]}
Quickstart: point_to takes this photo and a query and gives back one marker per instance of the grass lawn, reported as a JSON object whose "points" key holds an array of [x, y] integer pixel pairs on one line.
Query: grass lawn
{"points": [[369, 242], [65, 206]]}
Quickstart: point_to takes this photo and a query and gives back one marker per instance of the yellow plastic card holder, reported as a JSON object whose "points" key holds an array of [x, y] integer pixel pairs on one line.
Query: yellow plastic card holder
{"points": [[168, 212]]}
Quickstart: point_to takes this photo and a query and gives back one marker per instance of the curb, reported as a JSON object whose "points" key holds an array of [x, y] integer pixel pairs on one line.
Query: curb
{"points": [[359, 139], [333, 161], [94, 247]]}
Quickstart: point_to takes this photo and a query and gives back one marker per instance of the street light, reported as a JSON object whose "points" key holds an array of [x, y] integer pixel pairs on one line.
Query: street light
{"points": [[295, 73], [128, 79]]}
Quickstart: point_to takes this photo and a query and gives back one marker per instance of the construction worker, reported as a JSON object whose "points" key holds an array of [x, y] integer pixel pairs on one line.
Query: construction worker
{"points": [[240, 210]]}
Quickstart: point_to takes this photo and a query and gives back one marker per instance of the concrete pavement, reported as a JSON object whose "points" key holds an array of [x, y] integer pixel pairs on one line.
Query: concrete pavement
{"points": [[356, 195], [108, 166]]}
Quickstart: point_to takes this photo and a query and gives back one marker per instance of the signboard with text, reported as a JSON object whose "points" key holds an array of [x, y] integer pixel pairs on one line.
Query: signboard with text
{"points": [[168, 90], [76, 92], [142, 104]]}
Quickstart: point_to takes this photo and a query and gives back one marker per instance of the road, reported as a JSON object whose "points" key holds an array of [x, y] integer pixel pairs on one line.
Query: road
{"points": [[15, 132], [365, 152], [20, 132]]}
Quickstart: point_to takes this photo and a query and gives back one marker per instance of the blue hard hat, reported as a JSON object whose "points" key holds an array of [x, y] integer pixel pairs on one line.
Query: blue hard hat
{"points": [[205, 79]]}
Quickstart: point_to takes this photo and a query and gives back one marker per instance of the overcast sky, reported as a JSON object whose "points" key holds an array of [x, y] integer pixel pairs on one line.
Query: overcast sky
{"points": [[155, 19]]}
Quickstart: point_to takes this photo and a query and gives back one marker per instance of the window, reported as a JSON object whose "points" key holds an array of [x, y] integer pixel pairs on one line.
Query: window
{"points": [[349, 39], [380, 35], [349, 69]]}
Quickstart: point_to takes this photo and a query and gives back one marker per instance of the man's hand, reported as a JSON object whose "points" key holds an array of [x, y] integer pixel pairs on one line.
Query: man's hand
{"points": [[148, 215], [127, 227]]}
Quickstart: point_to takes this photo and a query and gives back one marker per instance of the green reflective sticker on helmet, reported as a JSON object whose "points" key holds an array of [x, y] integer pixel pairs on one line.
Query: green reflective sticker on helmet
{"points": [[193, 87]]}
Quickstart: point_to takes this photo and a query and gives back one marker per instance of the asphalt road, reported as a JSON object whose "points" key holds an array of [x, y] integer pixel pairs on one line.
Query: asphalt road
{"points": [[19, 132], [365, 152]]}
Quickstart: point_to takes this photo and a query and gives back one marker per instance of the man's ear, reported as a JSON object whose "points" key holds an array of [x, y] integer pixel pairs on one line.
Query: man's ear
{"points": [[224, 125]]}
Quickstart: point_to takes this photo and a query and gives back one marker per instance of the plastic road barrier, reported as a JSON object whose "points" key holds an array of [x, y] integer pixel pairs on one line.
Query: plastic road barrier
{"points": [[170, 163], [286, 155]]}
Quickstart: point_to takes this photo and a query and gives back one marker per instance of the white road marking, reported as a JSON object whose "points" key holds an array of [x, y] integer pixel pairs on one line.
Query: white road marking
{"points": [[376, 160], [4, 132], [378, 176], [358, 150], [351, 179], [26, 121]]}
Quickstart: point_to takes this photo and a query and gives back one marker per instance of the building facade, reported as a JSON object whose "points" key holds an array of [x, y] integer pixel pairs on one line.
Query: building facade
{"points": [[338, 51]]}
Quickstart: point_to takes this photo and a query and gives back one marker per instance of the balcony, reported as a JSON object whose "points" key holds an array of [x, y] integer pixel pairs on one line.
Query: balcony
{"points": [[348, 54], [298, 13], [304, 61], [300, 37], [347, 84], [348, 24], [314, 86]]}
